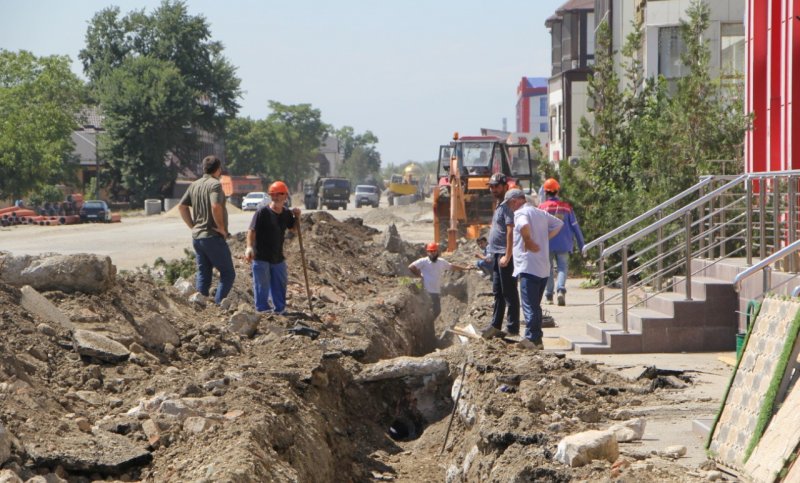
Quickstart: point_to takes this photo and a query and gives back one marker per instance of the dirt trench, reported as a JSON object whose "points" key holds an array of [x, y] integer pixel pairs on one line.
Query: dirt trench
{"points": [[359, 388]]}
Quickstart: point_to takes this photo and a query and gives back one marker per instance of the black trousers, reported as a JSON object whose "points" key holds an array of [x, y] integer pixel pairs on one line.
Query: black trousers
{"points": [[506, 296]]}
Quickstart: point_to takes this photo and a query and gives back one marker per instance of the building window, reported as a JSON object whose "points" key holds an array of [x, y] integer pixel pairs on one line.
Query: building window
{"points": [[732, 52], [670, 48], [542, 127], [543, 106]]}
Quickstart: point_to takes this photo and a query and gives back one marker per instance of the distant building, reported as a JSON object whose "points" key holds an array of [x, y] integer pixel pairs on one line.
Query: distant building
{"points": [[532, 108], [572, 55]]}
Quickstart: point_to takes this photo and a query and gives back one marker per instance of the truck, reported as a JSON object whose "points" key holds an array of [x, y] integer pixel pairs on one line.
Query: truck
{"points": [[462, 202], [237, 187], [332, 193]]}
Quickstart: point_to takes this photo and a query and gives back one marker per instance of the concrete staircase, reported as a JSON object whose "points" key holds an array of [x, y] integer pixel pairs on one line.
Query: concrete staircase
{"points": [[669, 323]]}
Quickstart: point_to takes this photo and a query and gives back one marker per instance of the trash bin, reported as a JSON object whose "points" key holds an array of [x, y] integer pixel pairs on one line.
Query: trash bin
{"points": [[152, 207], [170, 203]]}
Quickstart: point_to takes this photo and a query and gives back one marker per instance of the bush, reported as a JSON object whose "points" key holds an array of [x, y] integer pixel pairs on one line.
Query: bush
{"points": [[180, 268]]}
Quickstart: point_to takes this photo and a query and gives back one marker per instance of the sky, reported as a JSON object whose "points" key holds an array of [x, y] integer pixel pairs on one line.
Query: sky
{"points": [[412, 71]]}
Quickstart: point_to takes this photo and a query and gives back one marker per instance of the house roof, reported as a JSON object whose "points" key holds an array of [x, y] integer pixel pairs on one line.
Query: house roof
{"points": [[91, 117], [576, 5]]}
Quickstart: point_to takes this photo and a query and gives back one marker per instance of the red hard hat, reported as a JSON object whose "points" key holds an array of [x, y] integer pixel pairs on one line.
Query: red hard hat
{"points": [[432, 247], [551, 185], [278, 187]]}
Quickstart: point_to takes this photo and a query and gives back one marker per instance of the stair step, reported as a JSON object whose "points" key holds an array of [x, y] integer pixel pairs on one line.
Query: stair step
{"points": [[704, 287], [641, 318], [676, 305]]}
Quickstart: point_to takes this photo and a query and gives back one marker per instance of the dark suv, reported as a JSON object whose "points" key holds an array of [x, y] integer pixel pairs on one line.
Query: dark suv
{"points": [[95, 210]]}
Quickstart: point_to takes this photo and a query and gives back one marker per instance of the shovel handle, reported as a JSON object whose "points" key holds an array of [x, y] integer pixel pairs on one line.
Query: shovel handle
{"points": [[305, 267]]}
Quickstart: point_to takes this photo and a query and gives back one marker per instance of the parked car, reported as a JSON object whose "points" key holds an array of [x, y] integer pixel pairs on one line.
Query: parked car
{"points": [[367, 195], [95, 210], [254, 200]]}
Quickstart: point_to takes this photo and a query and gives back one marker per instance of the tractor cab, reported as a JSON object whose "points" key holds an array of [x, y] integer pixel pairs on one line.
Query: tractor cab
{"points": [[462, 202]]}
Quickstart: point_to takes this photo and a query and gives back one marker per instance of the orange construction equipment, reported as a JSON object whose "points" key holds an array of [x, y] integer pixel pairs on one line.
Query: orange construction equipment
{"points": [[462, 202]]}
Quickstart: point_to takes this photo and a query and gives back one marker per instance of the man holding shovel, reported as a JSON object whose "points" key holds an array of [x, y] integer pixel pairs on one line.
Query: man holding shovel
{"points": [[264, 250]]}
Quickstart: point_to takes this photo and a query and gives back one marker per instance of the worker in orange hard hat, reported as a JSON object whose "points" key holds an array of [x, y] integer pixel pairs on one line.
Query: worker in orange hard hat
{"points": [[264, 250], [561, 245], [430, 268]]}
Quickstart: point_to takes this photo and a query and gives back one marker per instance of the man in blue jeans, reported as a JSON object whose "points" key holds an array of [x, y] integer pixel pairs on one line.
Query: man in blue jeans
{"points": [[203, 210], [265, 239], [561, 244], [533, 229]]}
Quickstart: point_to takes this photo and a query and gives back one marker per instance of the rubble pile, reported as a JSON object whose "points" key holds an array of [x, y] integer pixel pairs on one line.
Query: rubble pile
{"points": [[141, 380]]}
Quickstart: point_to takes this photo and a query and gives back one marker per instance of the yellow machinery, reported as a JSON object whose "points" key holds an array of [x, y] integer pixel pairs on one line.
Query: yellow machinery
{"points": [[411, 182], [462, 203]]}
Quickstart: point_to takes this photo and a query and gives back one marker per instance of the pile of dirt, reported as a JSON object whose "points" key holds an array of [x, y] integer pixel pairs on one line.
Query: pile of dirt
{"points": [[197, 392]]}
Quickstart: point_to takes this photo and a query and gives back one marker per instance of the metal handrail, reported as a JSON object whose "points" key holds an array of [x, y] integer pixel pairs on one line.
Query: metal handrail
{"points": [[766, 262], [672, 216], [649, 213]]}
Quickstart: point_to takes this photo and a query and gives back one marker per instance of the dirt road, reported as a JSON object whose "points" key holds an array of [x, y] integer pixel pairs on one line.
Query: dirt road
{"points": [[141, 239]]}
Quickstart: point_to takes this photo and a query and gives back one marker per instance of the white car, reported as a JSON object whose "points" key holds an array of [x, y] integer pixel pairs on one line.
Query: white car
{"points": [[254, 200]]}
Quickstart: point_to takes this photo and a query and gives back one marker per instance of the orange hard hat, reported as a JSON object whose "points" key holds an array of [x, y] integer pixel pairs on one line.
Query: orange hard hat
{"points": [[432, 247], [551, 185], [278, 187]]}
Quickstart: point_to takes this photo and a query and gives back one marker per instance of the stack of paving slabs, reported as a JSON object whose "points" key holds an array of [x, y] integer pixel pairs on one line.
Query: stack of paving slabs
{"points": [[758, 427]]}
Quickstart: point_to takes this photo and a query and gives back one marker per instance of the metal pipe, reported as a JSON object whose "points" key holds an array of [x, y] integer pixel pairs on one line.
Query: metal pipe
{"points": [[748, 186], [688, 223], [766, 281], [602, 280], [792, 235], [776, 214], [762, 222], [660, 264], [625, 288]]}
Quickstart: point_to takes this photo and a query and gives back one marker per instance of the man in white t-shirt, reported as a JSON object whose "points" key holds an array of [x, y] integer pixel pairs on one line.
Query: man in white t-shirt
{"points": [[533, 229], [430, 268]]}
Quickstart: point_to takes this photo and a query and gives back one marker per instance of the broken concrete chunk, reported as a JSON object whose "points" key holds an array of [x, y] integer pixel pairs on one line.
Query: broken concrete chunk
{"points": [[630, 430], [392, 241], [674, 452], [244, 323], [402, 367], [185, 287], [98, 346], [5, 444], [8, 476], [81, 272], [37, 304], [104, 453], [581, 448], [156, 331]]}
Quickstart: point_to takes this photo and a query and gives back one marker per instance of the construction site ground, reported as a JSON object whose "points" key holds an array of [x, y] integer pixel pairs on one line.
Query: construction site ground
{"points": [[359, 387]]}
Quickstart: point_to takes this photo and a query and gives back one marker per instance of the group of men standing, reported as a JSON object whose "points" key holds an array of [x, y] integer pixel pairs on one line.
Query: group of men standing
{"points": [[203, 210], [522, 241]]}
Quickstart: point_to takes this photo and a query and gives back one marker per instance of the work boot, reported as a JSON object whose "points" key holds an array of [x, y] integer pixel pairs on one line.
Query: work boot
{"points": [[530, 344], [491, 332], [561, 299]]}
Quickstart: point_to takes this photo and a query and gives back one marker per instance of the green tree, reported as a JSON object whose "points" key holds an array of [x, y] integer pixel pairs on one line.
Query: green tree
{"points": [[147, 107], [363, 166], [169, 39], [246, 146], [646, 144], [39, 100], [362, 161], [293, 135]]}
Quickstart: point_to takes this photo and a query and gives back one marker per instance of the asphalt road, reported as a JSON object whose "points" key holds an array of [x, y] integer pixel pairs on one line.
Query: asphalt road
{"points": [[139, 239]]}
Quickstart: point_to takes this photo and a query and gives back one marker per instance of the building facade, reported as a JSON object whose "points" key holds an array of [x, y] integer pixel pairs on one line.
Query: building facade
{"points": [[572, 35], [532, 109], [772, 44]]}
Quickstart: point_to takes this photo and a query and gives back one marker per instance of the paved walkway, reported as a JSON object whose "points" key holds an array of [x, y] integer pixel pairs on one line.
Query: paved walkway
{"points": [[711, 371]]}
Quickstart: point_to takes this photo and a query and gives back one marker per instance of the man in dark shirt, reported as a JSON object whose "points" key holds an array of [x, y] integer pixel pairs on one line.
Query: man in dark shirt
{"points": [[265, 249], [203, 210], [504, 285]]}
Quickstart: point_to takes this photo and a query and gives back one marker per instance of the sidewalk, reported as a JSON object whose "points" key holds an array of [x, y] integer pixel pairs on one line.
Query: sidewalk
{"points": [[672, 423]]}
